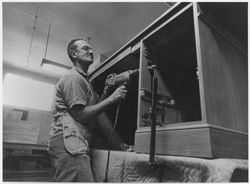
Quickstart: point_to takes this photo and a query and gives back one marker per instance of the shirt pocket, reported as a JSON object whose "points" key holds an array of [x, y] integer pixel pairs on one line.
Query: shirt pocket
{"points": [[74, 142]]}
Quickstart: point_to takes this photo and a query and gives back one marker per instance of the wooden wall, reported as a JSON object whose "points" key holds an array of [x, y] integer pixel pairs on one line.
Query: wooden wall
{"points": [[33, 130], [225, 80]]}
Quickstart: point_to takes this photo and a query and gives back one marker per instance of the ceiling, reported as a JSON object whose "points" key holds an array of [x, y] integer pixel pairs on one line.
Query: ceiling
{"points": [[110, 25]]}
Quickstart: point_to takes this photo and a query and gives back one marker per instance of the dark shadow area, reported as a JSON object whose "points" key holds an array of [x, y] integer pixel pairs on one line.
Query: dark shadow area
{"points": [[239, 175]]}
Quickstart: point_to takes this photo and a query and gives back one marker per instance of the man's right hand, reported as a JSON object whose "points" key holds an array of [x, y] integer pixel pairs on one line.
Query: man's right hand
{"points": [[119, 94]]}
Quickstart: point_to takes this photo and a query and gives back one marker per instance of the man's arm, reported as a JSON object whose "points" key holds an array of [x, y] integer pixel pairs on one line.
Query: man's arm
{"points": [[84, 114], [102, 97]]}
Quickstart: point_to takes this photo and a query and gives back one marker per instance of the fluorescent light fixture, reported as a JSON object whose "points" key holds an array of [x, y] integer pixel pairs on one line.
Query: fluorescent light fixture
{"points": [[54, 67]]}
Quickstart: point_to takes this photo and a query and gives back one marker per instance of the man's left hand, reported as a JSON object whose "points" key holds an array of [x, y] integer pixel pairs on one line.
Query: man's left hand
{"points": [[109, 86]]}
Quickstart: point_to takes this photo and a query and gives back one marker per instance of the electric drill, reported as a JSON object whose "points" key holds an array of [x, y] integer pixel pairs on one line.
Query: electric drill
{"points": [[123, 78]]}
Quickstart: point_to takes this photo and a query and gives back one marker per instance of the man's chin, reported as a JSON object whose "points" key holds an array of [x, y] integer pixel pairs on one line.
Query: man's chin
{"points": [[88, 61]]}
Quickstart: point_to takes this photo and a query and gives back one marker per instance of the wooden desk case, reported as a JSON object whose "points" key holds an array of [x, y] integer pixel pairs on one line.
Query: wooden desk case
{"points": [[201, 54]]}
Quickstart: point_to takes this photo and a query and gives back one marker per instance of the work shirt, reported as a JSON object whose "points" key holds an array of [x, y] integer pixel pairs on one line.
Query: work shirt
{"points": [[72, 89]]}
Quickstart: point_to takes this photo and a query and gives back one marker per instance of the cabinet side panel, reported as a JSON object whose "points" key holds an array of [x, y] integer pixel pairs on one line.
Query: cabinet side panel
{"points": [[228, 144], [183, 142], [225, 80]]}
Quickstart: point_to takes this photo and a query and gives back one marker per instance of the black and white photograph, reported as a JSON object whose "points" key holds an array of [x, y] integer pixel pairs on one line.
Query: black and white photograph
{"points": [[125, 92]]}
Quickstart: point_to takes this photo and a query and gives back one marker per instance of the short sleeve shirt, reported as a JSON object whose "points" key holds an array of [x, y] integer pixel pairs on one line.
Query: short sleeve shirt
{"points": [[72, 89]]}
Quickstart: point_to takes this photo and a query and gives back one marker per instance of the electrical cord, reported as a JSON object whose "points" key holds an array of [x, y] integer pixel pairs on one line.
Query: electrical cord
{"points": [[109, 144]]}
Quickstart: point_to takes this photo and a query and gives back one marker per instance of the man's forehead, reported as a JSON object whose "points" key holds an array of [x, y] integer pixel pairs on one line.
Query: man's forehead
{"points": [[82, 43]]}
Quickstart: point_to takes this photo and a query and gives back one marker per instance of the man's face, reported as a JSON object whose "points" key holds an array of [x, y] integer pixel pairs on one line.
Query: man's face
{"points": [[84, 52]]}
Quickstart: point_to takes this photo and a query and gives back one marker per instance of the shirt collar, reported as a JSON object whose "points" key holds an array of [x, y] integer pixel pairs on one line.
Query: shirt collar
{"points": [[79, 70]]}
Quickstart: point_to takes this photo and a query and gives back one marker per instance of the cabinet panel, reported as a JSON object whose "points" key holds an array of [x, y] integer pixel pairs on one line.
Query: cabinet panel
{"points": [[182, 142], [225, 80]]}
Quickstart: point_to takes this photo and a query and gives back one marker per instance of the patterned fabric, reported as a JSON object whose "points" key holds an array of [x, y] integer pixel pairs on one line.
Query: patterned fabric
{"points": [[127, 167]]}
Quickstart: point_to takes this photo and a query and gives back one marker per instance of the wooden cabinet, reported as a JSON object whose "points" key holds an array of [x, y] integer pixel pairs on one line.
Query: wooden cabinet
{"points": [[200, 50]]}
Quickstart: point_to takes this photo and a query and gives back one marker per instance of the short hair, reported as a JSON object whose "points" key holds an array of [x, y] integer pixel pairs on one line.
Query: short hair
{"points": [[73, 46]]}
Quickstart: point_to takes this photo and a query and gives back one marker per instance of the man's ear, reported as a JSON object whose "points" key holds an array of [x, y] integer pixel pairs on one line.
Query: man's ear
{"points": [[73, 54]]}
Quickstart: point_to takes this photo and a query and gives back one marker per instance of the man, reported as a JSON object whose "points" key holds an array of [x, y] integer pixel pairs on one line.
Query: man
{"points": [[74, 110]]}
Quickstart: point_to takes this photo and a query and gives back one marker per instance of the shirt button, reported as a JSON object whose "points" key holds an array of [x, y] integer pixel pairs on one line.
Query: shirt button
{"points": [[73, 133]]}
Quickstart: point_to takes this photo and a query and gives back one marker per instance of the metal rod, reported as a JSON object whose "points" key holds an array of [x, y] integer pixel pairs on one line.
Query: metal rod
{"points": [[32, 37], [47, 42], [153, 118]]}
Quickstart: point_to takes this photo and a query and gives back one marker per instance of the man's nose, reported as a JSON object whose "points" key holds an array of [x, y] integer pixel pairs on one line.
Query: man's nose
{"points": [[90, 50]]}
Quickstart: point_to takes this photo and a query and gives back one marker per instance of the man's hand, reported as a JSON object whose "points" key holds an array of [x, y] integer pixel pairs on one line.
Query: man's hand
{"points": [[109, 86], [119, 94]]}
